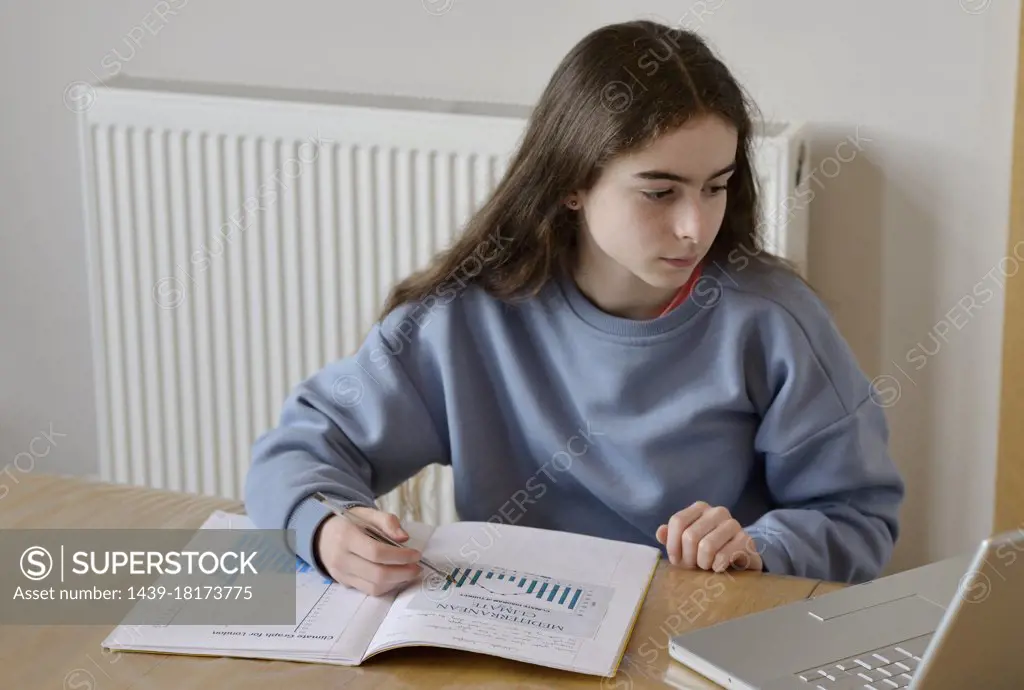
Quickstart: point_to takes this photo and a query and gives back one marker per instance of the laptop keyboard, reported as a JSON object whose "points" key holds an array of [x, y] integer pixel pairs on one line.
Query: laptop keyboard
{"points": [[884, 668]]}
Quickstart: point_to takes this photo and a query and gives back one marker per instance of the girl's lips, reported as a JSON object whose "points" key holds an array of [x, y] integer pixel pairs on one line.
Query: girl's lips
{"points": [[680, 263]]}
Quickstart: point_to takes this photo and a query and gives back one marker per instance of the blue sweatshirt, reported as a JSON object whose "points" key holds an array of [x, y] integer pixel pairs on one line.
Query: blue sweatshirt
{"points": [[555, 414]]}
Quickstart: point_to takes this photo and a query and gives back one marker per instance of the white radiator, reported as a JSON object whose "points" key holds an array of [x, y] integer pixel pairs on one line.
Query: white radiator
{"points": [[237, 243]]}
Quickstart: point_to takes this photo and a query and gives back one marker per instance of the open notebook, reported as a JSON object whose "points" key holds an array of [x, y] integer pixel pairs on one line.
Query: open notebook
{"points": [[549, 598]]}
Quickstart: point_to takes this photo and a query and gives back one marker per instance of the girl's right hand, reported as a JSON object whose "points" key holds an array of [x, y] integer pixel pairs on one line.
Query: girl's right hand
{"points": [[355, 559]]}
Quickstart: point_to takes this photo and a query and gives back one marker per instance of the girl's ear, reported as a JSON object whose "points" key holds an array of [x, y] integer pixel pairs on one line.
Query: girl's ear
{"points": [[573, 202]]}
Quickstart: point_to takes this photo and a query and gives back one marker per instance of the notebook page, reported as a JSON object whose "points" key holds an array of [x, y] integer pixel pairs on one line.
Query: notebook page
{"points": [[544, 597], [331, 620]]}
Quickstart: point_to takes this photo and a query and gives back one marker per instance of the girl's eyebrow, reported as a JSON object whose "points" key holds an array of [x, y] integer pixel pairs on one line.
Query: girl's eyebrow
{"points": [[663, 175]]}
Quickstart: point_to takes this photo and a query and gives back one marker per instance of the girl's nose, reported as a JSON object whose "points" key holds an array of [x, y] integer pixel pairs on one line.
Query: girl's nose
{"points": [[688, 223]]}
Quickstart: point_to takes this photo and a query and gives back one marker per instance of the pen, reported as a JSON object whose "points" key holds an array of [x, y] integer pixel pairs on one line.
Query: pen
{"points": [[372, 531]]}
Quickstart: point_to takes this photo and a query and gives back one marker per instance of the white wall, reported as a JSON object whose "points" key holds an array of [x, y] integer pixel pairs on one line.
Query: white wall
{"points": [[901, 233]]}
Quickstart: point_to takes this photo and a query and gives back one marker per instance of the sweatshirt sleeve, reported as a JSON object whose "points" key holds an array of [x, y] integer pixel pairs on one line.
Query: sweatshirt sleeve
{"points": [[354, 430], [836, 492]]}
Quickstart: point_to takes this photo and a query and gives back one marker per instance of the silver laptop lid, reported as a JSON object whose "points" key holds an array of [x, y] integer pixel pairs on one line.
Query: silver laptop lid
{"points": [[980, 642]]}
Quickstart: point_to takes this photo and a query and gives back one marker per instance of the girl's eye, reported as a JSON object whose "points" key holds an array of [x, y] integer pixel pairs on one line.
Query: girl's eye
{"points": [[657, 193], [716, 190]]}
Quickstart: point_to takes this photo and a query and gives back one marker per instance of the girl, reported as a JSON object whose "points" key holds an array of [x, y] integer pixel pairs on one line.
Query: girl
{"points": [[607, 349]]}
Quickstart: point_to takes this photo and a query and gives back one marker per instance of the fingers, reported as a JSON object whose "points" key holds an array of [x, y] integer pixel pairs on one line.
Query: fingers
{"points": [[677, 525], [359, 583], [367, 547], [373, 550], [384, 578], [712, 544], [388, 523], [726, 553], [366, 564], [740, 552], [709, 538], [357, 560], [341, 562], [693, 535]]}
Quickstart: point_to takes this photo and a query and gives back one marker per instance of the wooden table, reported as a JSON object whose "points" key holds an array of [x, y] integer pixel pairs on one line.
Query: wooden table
{"points": [[70, 657]]}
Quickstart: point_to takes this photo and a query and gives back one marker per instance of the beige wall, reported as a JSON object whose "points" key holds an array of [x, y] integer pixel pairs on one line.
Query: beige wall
{"points": [[902, 233]]}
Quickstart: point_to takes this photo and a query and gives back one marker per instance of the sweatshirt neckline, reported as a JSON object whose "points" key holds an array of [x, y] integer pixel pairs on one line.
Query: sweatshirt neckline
{"points": [[705, 294]]}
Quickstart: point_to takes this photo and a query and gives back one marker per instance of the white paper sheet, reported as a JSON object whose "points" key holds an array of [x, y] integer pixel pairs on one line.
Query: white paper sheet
{"points": [[535, 595], [331, 620]]}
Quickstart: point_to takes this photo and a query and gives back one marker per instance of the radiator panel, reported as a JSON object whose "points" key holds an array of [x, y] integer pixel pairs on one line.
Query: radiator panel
{"points": [[230, 261]]}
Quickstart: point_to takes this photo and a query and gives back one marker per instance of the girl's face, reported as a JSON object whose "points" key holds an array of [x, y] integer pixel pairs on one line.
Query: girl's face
{"points": [[654, 213]]}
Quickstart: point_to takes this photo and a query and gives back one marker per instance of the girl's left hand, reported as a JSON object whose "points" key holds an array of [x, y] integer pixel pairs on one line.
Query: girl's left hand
{"points": [[708, 537]]}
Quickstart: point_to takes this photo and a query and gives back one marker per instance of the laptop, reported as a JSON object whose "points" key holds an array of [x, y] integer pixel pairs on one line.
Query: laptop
{"points": [[956, 624]]}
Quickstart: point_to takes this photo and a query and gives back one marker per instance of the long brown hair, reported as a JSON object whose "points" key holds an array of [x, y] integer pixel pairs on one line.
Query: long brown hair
{"points": [[617, 89]]}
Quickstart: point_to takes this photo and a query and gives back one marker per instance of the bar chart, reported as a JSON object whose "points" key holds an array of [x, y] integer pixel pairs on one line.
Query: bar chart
{"points": [[518, 598], [497, 581]]}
